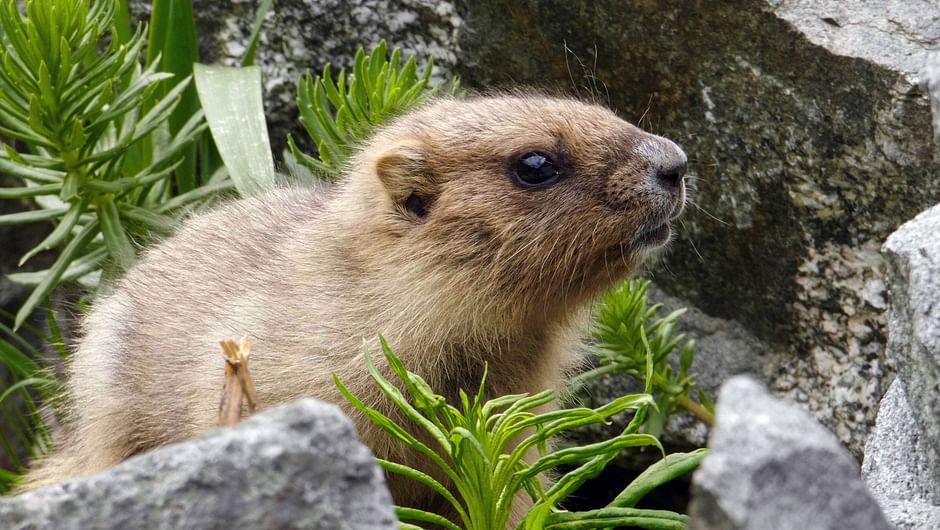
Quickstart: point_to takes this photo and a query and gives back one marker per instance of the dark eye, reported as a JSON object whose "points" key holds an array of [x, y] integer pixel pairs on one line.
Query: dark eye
{"points": [[535, 169]]}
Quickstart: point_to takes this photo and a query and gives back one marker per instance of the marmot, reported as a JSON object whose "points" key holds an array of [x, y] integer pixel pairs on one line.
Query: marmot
{"points": [[466, 232]]}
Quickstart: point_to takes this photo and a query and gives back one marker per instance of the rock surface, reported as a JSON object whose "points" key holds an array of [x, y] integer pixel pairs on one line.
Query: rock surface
{"points": [[902, 458], [896, 467], [299, 465], [896, 464], [913, 255], [771, 466], [809, 138], [912, 515]]}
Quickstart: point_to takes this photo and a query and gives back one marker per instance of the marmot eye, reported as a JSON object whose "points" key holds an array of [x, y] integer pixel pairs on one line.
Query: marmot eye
{"points": [[535, 169]]}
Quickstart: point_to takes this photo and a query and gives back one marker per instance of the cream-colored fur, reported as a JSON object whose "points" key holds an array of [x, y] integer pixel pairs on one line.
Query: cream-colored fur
{"points": [[493, 273]]}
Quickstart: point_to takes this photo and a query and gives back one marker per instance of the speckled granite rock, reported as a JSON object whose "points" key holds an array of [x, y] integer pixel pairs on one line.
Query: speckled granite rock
{"points": [[809, 138], [896, 468], [896, 464], [913, 254], [298, 465], [770, 466], [906, 515]]}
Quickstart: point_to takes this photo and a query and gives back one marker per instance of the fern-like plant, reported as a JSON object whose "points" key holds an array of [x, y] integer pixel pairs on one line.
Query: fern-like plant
{"points": [[481, 447], [626, 328], [339, 114], [78, 109]]}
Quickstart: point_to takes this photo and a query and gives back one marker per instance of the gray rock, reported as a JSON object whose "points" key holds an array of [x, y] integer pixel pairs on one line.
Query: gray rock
{"points": [[913, 256], [931, 82], [771, 466], [810, 138], [294, 466], [896, 465], [912, 515]]}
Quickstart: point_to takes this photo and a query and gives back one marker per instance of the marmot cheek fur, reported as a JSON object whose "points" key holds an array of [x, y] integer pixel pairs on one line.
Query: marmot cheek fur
{"points": [[467, 232]]}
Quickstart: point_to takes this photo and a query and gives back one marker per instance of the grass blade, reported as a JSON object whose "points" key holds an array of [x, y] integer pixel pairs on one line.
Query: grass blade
{"points": [[249, 58]]}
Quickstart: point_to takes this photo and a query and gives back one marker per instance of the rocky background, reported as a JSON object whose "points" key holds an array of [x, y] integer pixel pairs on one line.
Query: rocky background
{"points": [[808, 126]]}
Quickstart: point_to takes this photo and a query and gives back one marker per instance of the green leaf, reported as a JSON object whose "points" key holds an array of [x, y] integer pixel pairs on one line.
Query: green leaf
{"points": [[199, 194], [31, 216], [29, 191], [61, 231], [609, 517], [115, 238], [122, 21], [248, 59], [412, 514], [72, 250], [78, 268], [424, 479], [669, 468], [160, 223], [231, 98]]}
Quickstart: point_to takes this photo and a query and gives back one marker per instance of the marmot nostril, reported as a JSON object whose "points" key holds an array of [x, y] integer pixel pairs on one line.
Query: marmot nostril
{"points": [[671, 176]]}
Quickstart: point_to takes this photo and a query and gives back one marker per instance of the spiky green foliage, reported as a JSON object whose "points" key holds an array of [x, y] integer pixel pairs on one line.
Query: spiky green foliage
{"points": [[339, 114], [482, 447], [81, 110], [626, 328], [22, 430]]}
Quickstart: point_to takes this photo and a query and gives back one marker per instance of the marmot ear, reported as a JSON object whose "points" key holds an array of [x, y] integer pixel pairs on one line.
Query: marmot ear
{"points": [[403, 170]]}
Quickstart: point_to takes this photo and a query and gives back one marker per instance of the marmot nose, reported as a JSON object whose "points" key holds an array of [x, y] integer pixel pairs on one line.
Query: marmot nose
{"points": [[670, 175]]}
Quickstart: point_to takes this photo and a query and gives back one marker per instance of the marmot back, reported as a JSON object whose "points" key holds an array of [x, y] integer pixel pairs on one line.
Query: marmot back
{"points": [[467, 232]]}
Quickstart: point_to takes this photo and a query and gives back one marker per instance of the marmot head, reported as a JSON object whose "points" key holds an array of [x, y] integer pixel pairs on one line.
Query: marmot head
{"points": [[523, 200]]}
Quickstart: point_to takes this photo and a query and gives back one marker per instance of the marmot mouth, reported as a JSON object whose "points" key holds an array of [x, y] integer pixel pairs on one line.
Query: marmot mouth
{"points": [[654, 237]]}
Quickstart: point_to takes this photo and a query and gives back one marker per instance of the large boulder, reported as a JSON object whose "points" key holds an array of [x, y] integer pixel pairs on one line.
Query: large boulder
{"points": [[771, 466], [299, 465], [913, 254], [902, 458], [809, 138]]}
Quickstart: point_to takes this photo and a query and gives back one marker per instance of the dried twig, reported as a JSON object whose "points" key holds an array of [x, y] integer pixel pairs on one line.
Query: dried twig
{"points": [[237, 384]]}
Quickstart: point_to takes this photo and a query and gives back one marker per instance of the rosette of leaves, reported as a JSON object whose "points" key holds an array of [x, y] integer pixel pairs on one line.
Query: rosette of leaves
{"points": [[338, 114], [626, 330], [482, 447], [78, 105]]}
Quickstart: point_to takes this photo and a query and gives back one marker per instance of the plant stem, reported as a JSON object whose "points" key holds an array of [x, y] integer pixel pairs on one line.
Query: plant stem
{"points": [[697, 409]]}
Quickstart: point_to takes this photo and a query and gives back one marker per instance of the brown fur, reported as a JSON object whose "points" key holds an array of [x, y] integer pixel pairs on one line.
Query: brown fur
{"points": [[493, 273]]}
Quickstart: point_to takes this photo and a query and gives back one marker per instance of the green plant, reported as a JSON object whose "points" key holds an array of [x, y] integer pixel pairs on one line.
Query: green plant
{"points": [[625, 328], [82, 113], [339, 114], [482, 448], [30, 385], [107, 150]]}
